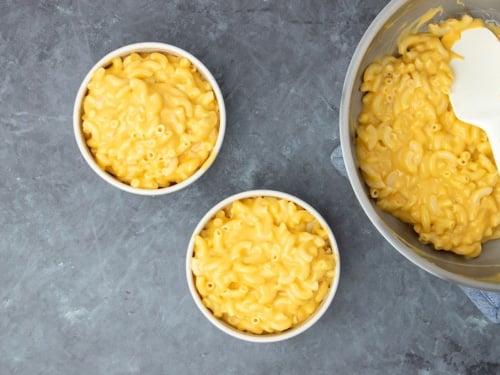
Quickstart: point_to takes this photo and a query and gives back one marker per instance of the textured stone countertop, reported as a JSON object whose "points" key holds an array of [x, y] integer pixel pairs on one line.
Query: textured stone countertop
{"points": [[92, 278]]}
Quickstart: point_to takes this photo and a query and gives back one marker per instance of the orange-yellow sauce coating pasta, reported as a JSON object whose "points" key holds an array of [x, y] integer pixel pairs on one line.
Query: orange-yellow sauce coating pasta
{"points": [[263, 265], [151, 119], [420, 162]]}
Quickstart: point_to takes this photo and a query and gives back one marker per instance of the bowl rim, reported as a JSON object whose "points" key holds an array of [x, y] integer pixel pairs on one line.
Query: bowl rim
{"points": [[351, 168], [124, 51], [272, 337]]}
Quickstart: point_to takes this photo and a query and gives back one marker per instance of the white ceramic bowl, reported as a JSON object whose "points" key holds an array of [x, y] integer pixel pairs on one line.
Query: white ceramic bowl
{"points": [[379, 39], [146, 47], [272, 337]]}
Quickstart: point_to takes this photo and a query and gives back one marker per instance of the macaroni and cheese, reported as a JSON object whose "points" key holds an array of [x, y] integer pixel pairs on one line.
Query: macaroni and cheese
{"points": [[420, 162], [150, 119], [263, 264]]}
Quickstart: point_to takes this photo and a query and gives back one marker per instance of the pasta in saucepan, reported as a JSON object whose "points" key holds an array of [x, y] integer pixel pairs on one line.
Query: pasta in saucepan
{"points": [[419, 161]]}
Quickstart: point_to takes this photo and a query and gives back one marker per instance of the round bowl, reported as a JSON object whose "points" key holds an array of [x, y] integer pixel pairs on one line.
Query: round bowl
{"points": [[266, 337], [146, 47], [380, 39]]}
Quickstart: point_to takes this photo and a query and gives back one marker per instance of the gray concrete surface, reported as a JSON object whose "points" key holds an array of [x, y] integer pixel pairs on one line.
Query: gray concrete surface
{"points": [[92, 279]]}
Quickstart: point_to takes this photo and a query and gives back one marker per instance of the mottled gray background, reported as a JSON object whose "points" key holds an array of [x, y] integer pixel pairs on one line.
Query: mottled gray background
{"points": [[92, 279]]}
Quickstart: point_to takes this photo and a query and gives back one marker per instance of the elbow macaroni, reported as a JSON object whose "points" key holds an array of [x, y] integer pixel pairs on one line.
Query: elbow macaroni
{"points": [[263, 264], [419, 161], [150, 120]]}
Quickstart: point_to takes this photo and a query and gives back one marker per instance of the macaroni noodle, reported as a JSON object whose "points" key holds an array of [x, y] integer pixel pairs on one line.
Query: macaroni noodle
{"points": [[263, 264], [420, 162], [150, 120]]}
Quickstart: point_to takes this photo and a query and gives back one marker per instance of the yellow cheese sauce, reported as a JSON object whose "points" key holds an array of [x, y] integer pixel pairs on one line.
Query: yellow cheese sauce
{"points": [[263, 264], [420, 162], [151, 120]]}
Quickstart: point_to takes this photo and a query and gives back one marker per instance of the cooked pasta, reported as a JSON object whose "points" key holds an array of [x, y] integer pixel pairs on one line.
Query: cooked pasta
{"points": [[151, 119], [263, 264], [420, 162]]}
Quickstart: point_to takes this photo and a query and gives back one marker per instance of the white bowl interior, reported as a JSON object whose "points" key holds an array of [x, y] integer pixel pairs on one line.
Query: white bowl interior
{"points": [[380, 39], [273, 337], [145, 48]]}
